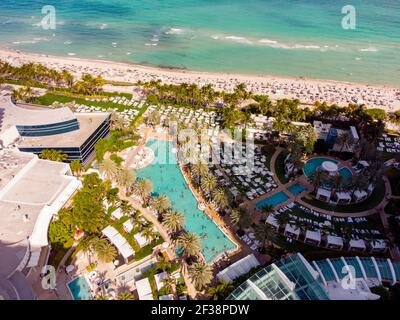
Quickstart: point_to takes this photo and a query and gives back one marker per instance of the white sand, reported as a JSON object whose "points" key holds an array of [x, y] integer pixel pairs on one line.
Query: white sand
{"points": [[306, 90]]}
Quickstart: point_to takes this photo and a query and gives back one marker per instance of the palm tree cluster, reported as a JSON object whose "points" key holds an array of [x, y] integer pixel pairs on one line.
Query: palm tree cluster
{"points": [[38, 75], [207, 183], [53, 155]]}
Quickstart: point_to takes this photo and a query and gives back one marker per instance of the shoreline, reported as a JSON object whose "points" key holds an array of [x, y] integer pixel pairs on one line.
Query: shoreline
{"points": [[307, 90]]}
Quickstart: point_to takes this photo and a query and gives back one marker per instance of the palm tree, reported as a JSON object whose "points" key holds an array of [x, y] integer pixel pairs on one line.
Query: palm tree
{"points": [[267, 210], [344, 140], [241, 219], [53, 155], [68, 78], [208, 183], [220, 197], [168, 283], [126, 178], [264, 233], [143, 188], [161, 204], [199, 170], [163, 263], [76, 167], [125, 295], [174, 221], [221, 290], [283, 219], [105, 251], [126, 207], [201, 274], [148, 232], [108, 168], [190, 244], [317, 177]]}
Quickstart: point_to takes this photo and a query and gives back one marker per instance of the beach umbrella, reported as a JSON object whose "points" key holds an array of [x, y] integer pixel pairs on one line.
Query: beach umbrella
{"points": [[70, 268]]}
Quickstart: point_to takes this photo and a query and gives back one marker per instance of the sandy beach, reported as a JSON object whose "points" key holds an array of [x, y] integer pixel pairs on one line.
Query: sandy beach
{"points": [[307, 91]]}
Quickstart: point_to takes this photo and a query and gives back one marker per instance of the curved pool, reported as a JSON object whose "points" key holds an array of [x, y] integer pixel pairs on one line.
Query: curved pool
{"points": [[312, 164]]}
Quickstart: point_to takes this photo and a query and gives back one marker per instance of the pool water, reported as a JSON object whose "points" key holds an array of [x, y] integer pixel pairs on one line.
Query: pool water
{"points": [[167, 179], [312, 165], [273, 200], [296, 189], [79, 289], [345, 173]]}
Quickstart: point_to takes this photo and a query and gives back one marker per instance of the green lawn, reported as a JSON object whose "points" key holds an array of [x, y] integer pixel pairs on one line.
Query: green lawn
{"points": [[280, 167], [49, 98], [375, 199]]}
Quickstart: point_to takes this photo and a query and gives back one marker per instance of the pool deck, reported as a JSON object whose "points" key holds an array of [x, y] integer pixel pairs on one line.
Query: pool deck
{"points": [[251, 204]]}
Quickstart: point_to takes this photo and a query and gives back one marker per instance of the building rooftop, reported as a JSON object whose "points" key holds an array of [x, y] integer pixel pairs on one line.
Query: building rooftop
{"points": [[88, 123], [27, 189], [11, 115]]}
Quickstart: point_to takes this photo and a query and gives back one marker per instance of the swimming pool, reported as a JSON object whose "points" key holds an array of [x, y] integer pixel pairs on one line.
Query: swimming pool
{"points": [[167, 179], [345, 173], [312, 165], [79, 289], [296, 189], [273, 200]]}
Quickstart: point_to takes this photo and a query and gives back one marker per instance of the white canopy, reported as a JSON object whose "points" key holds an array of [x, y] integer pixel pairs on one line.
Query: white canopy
{"points": [[359, 194], [292, 229], [272, 221], [128, 226], [117, 214], [119, 241], [238, 268], [335, 240], [144, 289], [379, 244], [357, 244], [142, 241], [313, 235], [343, 195], [159, 279], [324, 192]]}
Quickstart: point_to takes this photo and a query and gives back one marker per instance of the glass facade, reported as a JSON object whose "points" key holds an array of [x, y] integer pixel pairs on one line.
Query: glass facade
{"points": [[288, 279], [48, 129], [291, 278], [82, 153]]}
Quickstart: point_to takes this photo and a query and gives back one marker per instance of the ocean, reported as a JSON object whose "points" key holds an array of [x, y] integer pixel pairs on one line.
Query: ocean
{"points": [[297, 38]]}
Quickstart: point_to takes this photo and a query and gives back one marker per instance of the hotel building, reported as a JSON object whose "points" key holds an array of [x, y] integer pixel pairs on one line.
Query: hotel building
{"points": [[34, 129]]}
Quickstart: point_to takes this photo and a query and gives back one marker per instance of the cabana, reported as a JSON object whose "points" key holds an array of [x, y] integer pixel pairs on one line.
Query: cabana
{"points": [[323, 194], [142, 241], [378, 246], [343, 198], [292, 231], [144, 289], [159, 279], [271, 220], [117, 214], [334, 242], [313, 237], [120, 242], [360, 195], [128, 226], [238, 268], [357, 245]]}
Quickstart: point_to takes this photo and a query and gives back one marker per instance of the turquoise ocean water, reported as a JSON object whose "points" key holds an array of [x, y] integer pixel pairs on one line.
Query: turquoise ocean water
{"points": [[286, 37]]}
